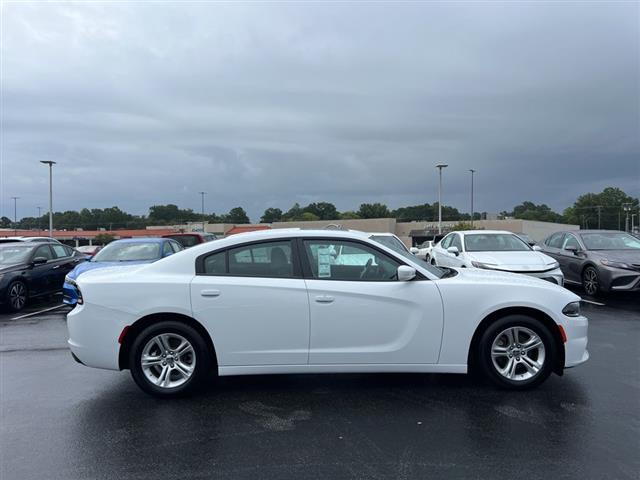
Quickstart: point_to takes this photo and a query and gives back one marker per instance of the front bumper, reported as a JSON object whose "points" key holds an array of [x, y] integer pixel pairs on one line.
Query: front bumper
{"points": [[69, 294], [575, 348], [619, 279]]}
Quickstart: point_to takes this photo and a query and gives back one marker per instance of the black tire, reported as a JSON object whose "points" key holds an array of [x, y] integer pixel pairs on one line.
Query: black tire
{"points": [[494, 333], [591, 281], [202, 359], [12, 298]]}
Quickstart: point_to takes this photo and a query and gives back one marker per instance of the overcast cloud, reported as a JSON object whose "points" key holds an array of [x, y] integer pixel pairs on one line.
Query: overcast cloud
{"points": [[269, 104]]}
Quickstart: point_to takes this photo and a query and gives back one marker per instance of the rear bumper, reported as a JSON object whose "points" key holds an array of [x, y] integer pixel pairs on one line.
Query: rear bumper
{"points": [[575, 348]]}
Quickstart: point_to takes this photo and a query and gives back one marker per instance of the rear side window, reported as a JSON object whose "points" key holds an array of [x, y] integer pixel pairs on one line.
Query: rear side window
{"points": [[262, 260], [216, 264], [60, 251]]}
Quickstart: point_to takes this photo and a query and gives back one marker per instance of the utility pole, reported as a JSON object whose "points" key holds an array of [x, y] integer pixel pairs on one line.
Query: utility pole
{"points": [[51, 164], [15, 215], [627, 208], [202, 194], [472, 172], [599, 208], [440, 166]]}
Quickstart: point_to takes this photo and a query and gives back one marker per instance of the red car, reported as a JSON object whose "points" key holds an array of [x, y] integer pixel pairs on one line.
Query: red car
{"points": [[191, 239]]}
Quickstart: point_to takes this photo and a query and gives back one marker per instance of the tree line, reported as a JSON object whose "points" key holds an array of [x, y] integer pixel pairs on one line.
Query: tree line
{"points": [[591, 210]]}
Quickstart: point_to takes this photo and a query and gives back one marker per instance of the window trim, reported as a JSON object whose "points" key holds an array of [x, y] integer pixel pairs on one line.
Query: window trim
{"points": [[308, 273], [295, 259]]}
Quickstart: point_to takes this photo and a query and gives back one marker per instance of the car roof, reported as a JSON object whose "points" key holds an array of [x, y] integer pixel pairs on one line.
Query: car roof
{"points": [[141, 240]]}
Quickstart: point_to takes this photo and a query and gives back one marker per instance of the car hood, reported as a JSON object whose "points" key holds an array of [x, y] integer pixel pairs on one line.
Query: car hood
{"points": [[477, 275], [522, 261], [11, 268], [87, 266], [626, 256]]}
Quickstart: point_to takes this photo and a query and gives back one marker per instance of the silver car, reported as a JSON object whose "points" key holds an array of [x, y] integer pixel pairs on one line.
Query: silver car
{"points": [[600, 260]]}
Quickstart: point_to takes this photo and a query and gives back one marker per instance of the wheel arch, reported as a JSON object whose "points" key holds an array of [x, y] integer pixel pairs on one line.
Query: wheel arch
{"points": [[545, 319], [142, 323]]}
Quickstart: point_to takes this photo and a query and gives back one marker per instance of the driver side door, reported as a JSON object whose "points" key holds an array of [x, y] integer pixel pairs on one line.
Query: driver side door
{"points": [[360, 312]]}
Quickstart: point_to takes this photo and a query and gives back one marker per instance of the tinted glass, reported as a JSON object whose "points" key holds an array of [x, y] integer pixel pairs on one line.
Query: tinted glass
{"points": [[128, 252], [271, 259], [570, 241], [60, 251], [216, 264], [167, 249], [555, 240], [610, 241], [494, 242], [185, 240], [342, 260], [14, 253], [43, 251]]}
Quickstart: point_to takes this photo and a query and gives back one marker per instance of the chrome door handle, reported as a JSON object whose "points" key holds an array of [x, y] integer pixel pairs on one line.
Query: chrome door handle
{"points": [[210, 293], [324, 299], [57, 266]]}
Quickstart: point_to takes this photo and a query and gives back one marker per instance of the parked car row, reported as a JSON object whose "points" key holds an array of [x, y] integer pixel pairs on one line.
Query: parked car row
{"points": [[600, 260]]}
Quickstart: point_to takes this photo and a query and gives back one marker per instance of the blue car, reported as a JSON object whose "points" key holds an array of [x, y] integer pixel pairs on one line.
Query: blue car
{"points": [[129, 251]]}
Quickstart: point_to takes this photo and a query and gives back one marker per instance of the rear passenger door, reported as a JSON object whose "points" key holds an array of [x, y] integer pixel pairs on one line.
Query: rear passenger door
{"points": [[253, 300]]}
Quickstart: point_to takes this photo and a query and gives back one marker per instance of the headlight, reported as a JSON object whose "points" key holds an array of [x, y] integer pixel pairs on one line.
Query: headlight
{"points": [[68, 279], [553, 265], [611, 263], [572, 309], [483, 265]]}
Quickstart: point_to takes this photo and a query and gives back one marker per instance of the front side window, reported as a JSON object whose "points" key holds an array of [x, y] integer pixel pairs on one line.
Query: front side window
{"points": [[271, 259], [344, 260], [166, 249], [43, 252], [390, 241], [446, 241], [555, 240], [456, 242], [570, 241]]}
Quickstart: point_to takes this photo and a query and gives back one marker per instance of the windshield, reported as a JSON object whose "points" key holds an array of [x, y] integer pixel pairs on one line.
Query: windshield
{"points": [[494, 242], [391, 242], [128, 252], [185, 240], [610, 241], [14, 254]]}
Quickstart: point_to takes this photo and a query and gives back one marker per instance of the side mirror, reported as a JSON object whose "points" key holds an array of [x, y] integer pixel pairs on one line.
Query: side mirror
{"points": [[571, 248], [414, 250], [39, 260], [453, 250], [536, 248], [406, 273]]}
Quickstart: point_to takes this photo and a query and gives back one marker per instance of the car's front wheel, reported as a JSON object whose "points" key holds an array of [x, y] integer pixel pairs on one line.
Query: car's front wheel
{"points": [[591, 281], [517, 352], [169, 359], [17, 296]]}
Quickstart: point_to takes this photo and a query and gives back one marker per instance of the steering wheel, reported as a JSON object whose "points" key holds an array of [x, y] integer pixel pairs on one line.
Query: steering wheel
{"points": [[366, 268]]}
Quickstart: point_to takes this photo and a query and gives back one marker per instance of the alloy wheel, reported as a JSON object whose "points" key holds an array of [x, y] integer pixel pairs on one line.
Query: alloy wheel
{"points": [[518, 353], [590, 281], [168, 360], [17, 296]]}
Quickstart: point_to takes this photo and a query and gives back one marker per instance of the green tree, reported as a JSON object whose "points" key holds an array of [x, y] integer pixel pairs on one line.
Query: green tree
{"points": [[103, 238], [608, 205], [237, 215], [5, 222], [309, 217], [271, 215], [530, 211], [322, 210], [350, 215], [293, 214], [373, 210]]}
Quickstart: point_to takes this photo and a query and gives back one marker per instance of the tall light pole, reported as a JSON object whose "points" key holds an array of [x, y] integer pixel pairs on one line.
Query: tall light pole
{"points": [[440, 166], [51, 164], [15, 215], [472, 172], [39, 217], [202, 194], [627, 208]]}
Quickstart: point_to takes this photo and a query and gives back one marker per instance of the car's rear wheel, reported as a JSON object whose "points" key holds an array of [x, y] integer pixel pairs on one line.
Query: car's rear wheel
{"points": [[591, 281], [516, 352], [169, 359], [17, 296]]}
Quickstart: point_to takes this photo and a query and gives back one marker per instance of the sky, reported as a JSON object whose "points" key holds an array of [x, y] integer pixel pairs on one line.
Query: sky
{"points": [[266, 104]]}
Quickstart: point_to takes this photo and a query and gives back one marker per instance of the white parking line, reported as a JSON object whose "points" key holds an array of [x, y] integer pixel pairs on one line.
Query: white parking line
{"points": [[594, 303], [38, 312]]}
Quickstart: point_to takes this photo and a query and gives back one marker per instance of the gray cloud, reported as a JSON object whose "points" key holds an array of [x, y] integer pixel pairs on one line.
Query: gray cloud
{"points": [[266, 105]]}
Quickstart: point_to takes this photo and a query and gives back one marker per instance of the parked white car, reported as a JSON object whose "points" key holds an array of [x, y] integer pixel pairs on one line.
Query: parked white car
{"points": [[495, 250], [279, 302]]}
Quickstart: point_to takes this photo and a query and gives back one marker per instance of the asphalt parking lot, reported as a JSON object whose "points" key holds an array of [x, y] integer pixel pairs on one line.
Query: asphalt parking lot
{"points": [[62, 420]]}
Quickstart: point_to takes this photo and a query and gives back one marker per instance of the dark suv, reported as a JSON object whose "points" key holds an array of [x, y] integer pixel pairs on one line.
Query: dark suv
{"points": [[600, 260]]}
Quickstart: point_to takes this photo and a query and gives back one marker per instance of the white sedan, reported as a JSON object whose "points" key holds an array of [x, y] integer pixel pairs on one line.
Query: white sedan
{"points": [[495, 250], [280, 301]]}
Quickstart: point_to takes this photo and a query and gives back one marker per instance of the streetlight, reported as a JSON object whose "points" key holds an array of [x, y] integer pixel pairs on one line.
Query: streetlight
{"points": [[627, 208], [202, 194], [472, 172], [440, 166], [51, 164], [15, 215], [39, 217]]}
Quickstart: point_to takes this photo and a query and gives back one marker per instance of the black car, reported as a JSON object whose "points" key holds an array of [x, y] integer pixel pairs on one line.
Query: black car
{"points": [[31, 269]]}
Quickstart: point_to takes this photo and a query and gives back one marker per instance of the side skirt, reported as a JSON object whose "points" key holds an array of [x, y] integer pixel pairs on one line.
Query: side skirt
{"points": [[351, 368]]}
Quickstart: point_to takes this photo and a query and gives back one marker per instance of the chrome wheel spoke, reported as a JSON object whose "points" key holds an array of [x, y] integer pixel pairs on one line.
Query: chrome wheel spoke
{"points": [[163, 378], [150, 360], [533, 342], [165, 366], [499, 351], [183, 369], [531, 365], [183, 348], [518, 345]]}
